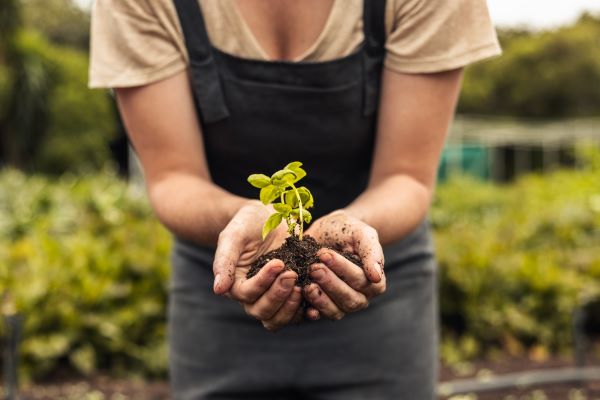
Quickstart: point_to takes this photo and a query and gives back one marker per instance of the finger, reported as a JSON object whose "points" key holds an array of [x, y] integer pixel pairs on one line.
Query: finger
{"points": [[273, 299], [346, 270], [249, 290], [299, 316], [351, 274], [229, 248], [320, 301], [375, 289], [346, 298], [287, 312], [313, 314], [370, 252]]}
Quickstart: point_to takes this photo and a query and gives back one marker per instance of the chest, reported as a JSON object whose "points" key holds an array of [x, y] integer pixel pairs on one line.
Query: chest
{"points": [[284, 29]]}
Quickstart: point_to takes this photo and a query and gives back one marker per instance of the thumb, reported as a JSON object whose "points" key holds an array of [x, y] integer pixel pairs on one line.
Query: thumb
{"points": [[229, 248]]}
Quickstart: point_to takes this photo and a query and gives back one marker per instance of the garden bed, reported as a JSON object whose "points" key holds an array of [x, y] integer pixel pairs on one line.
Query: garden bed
{"points": [[562, 391], [105, 388]]}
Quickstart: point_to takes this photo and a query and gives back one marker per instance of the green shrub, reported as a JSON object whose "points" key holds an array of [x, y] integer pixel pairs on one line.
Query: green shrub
{"points": [[87, 265], [515, 261]]}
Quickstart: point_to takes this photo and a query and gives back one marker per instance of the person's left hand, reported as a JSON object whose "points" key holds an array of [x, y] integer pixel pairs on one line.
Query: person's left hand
{"points": [[340, 286]]}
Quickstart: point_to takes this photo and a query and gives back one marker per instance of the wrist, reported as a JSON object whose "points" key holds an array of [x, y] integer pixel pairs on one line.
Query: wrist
{"points": [[350, 211]]}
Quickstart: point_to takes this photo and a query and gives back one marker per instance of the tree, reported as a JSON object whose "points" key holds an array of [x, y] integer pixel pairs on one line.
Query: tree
{"points": [[549, 74], [49, 120], [24, 87], [60, 21]]}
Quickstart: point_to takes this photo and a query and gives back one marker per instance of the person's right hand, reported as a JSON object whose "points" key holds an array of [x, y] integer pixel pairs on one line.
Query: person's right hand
{"points": [[269, 296]]}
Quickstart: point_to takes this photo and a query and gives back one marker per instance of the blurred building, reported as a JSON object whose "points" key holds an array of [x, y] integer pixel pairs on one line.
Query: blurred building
{"points": [[500, 149]]}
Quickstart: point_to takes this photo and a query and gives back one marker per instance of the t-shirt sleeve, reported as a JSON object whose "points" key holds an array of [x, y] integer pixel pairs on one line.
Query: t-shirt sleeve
{"points": [[130, 45], [431, 35]]}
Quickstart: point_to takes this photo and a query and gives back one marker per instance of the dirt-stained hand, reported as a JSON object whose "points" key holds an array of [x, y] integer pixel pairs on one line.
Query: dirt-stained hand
{"points": [[339, 285], [269, 296]]}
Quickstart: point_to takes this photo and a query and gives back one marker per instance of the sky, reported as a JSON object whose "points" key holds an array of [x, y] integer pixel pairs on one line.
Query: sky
{"points": [[539, 14]]}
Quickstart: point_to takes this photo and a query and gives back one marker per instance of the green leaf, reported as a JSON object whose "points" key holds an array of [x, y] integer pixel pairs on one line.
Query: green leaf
{"points": [[307, 216], [84, 359], [295, 168], [269, 193], [272, 223], [283, 209], [259, 180], [293, 165], [290, 198], [306, 197], [283, 177], [300, 173]]}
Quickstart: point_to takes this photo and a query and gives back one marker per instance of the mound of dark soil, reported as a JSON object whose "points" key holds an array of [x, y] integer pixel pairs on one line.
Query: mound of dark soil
{"points": [[298, 255]]}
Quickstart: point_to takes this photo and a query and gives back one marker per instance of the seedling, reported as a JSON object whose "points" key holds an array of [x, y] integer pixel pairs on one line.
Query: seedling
{"points": [[293, 201]]}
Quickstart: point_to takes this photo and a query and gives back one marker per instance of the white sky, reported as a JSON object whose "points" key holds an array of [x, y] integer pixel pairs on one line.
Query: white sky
{"points": [[529, 13], [539, 13]]}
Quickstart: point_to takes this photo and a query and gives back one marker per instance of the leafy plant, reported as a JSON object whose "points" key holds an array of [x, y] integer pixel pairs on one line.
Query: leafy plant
{"points": [[515, 261], [293, 202], [74, 258]]}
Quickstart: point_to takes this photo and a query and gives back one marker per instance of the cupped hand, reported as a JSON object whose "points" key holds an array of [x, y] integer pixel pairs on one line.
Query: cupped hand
{"points": [[269, 296], [339, 285]]}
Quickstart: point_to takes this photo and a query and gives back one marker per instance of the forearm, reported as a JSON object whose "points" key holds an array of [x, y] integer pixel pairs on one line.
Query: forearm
{"points": [[164, 129], [192, 207], [410, 138], [394, 206]]}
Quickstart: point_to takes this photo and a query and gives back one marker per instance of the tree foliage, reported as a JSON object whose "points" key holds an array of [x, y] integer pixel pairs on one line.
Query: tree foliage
{"points": [[60, 21], [50, 121], [10, 19], [549, 74], [25, 83]]}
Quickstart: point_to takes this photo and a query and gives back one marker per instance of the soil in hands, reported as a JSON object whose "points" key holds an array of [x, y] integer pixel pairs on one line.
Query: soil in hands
{"points": [[298, 255]]}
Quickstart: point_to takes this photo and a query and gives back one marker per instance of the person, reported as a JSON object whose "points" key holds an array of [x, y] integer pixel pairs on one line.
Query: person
{"points": [[361, 92]]}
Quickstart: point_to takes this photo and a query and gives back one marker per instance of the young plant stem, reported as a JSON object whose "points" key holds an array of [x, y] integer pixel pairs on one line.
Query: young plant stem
{"points": [[300, 206], [288, 218]]}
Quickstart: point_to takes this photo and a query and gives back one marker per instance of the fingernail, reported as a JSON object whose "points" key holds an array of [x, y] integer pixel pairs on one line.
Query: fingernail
{"points": [[315, 293], [288, 283], [317, 273], [275, 269], [217, 281], [326, 259]]}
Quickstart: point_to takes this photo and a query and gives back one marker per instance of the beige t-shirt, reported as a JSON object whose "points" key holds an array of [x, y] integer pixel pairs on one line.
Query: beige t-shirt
{"points": [[135, 42]]}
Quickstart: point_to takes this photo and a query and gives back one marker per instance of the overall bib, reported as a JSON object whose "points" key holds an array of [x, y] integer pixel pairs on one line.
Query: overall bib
{"points": [[257, 116]]}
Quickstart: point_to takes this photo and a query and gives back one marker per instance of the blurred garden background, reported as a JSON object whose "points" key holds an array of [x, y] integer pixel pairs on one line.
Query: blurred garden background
{"points": [[85, 264]]}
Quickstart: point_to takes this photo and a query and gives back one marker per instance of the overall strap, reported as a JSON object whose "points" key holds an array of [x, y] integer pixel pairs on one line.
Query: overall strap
{"points": [[374, 51], [204, 74]]}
